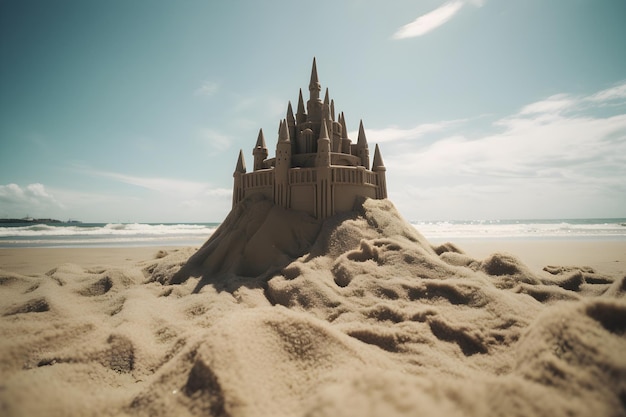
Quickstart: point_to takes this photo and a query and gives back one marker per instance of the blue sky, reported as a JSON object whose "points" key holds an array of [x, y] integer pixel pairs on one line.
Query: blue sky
{"points": [[135, 111]]}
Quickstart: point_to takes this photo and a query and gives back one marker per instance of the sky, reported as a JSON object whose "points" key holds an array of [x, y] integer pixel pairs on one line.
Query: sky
{"points": [[135, 110]]}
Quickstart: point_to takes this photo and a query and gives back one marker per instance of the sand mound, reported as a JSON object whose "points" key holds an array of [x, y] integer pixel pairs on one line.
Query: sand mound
{"points": [[358, 315]]}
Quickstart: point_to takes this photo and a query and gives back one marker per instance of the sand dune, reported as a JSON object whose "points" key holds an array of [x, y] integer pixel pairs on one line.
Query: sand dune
{"points": [[355, 316]]}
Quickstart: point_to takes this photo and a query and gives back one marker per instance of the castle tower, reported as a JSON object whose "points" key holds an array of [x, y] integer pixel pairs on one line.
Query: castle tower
{"points": [[324, 190], [260, 151], [323, 147], [283, 163], [240, 169], [379, 168], [300, 113], [346, 143], [362, 150], [314, 105], [291, 127]]}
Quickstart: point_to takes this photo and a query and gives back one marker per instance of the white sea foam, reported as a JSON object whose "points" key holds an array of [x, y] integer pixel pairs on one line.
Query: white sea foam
{"points": [[112, 234], [141, 234], [111, 229], [523, 229]]}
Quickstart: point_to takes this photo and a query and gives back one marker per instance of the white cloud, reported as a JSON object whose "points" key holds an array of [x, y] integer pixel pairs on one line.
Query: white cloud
{"points": [[33, 199], [553, 104], [394, 133], [216, 140], [617, 92], [432, 20], [557, 155], [429, 21], [167, 186], [208, 88]]}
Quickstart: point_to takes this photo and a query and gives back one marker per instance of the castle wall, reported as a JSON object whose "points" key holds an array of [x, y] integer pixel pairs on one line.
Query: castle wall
{"points": [[344, 195], [303, 198], [308, 191]]}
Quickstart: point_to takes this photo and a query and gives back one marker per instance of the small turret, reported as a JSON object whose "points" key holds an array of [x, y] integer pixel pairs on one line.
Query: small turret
{"points": [[300, 114], [362, 149], [323, 147], [314, 85], [291, 127], [346, 143], [260, 151], [314, 105], [283, 132], [332, 110], [326, 106], [283, 163], [378, 164], [240, 170], [241, 164], [379, 168]]}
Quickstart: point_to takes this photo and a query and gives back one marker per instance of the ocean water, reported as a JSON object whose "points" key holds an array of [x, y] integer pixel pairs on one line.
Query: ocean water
{"points": [[525, 229], [69, 235]]}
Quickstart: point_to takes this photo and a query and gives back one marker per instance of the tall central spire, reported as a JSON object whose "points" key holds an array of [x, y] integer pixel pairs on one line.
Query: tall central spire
{"points": [[314, 86]]}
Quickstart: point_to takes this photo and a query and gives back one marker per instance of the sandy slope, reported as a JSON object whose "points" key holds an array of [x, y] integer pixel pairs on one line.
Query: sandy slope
{"points": [[356, 316]]}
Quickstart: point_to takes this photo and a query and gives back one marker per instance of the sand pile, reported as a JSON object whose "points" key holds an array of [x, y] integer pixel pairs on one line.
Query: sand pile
{"points": [[355, 316]]}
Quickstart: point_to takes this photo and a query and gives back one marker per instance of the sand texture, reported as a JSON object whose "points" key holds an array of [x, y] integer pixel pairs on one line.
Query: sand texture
{"points": [[279, 314]]}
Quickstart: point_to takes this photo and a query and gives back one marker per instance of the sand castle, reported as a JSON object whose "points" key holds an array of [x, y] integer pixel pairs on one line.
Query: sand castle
{"points": [[317, 168]]}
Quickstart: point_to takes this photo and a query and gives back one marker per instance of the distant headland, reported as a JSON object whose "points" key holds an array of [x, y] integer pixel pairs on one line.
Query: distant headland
{"points": [[31, 220]]}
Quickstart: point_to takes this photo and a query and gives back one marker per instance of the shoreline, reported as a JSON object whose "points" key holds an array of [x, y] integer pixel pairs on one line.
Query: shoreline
{"points": [[604, 256]]}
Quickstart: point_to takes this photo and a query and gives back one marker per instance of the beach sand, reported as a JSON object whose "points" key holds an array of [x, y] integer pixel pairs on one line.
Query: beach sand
{"points": [[359, 316]]}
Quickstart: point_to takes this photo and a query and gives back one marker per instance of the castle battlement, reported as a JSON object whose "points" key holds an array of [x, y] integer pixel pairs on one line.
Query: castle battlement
{"points": [[317, 169]]}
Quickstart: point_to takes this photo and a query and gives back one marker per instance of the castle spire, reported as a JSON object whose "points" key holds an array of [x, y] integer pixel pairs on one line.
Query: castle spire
{"points": [[379, 168], [324, 131], [241, 164], [260, 140], [290, 119], [332, 110], [260, 151], [346, 143], [361, 147], [323, 146], [300, 113], [314, 84], [361, 140], [378, 164], [344, 129], [283, 131], [326, 106]]}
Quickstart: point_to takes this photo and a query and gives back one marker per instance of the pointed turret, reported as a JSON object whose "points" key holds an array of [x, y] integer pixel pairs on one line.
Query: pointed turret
{"points": [[378, 164], [324, 198], [379, 168], [290, 119], [326, 107], [314, 105], [323, 146], [361, 140], [362, 148], [344, 129], [291, 126], [300, 113], [332, 110], [240, 170], [314, 84], [346, 143], [282, 165], [283, 131], [260, 151], [324, 131], [241, 164]]}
